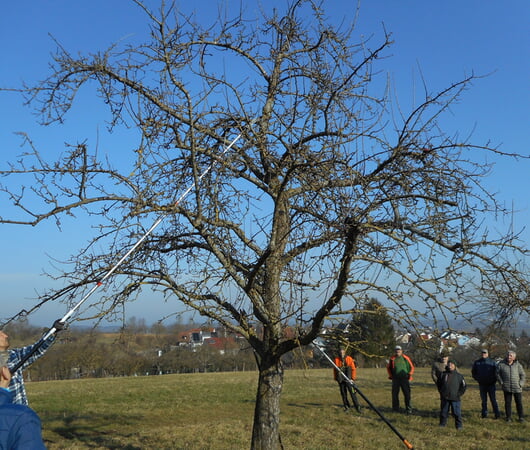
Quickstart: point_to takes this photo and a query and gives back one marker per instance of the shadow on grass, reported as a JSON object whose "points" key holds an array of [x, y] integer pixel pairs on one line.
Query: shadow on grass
{"points": [[92, 431], [306, 405], [386, 411], [390, 413]]}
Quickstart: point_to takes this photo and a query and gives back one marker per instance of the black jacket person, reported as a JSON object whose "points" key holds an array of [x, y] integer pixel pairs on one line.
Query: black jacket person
{"points": [[452, 386]]}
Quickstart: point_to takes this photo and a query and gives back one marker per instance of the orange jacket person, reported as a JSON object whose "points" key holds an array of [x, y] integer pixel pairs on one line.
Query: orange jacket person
{"points": [[346, 365], [400, 370]]}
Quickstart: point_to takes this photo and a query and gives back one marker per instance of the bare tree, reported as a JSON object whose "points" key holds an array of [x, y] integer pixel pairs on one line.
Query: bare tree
{"points": [[329, 197]]}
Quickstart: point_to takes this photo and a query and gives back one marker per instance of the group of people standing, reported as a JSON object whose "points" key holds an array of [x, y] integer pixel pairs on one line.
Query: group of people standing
{"points": [[510, 374], [451, 385]]}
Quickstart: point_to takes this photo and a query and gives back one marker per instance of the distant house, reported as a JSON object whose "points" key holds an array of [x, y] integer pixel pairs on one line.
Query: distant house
{"points": [[403, 338], [223, 344], [469, 341], [462, 340], [425, 336], [450, 336], [218, 338], [195, 336]]}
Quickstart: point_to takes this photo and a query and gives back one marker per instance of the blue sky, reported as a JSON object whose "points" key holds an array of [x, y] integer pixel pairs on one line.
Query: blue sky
{"points": [[439, 41]]}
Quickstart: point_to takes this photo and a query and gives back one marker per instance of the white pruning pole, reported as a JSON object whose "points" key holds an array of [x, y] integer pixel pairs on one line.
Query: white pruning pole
{"points": [[337, 368], [157, 222], [370, 404]]}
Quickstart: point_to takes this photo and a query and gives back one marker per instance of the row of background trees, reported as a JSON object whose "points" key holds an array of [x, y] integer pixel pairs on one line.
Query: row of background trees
{"points": [[141, 349]]}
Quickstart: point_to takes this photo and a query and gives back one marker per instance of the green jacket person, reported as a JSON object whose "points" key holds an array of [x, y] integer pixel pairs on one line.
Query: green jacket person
{"points": [[400, 370]]}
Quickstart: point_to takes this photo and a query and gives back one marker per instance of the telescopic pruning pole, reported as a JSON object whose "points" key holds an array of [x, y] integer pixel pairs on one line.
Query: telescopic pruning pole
{"points": [[370, 404], [70, 313]]}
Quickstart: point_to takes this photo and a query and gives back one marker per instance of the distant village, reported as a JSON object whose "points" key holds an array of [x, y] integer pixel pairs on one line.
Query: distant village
{"points": [[189, 348], [219, 338], [425, 346], [448, 339]]}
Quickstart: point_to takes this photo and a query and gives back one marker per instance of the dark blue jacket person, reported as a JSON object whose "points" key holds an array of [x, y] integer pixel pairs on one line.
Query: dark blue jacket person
{"points": [[20, 427], [484, 371]]}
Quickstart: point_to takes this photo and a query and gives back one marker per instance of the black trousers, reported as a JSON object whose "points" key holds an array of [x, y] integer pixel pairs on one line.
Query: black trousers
{"points": [[518, 396], [400, 384], [488, 390], [346, 388]]}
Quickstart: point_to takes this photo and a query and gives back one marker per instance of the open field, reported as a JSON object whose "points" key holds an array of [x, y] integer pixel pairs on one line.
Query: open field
{"points": [[215, 410]]}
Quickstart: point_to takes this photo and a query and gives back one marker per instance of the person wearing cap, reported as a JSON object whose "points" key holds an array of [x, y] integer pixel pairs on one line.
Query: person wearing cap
{"points": [[20, 426], [438, 366], [484, 371], [400, 370], [511, 376], [348, 371], [452, 386]]}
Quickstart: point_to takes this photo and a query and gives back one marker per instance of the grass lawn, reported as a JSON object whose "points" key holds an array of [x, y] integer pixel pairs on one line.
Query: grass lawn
{"points": [[215, 411]]}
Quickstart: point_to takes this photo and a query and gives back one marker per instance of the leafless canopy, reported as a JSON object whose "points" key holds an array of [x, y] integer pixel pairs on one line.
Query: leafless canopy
{"points": [[331, 195]]}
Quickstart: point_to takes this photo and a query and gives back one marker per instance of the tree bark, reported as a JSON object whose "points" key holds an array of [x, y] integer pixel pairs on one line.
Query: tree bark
{"points": [[266, 429]]}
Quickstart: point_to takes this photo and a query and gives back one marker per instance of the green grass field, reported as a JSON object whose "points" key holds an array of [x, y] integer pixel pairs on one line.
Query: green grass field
{"points": [[215, 410]]}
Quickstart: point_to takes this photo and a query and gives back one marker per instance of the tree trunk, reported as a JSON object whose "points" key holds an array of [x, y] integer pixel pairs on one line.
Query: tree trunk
{"points": [[266, 428]]}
